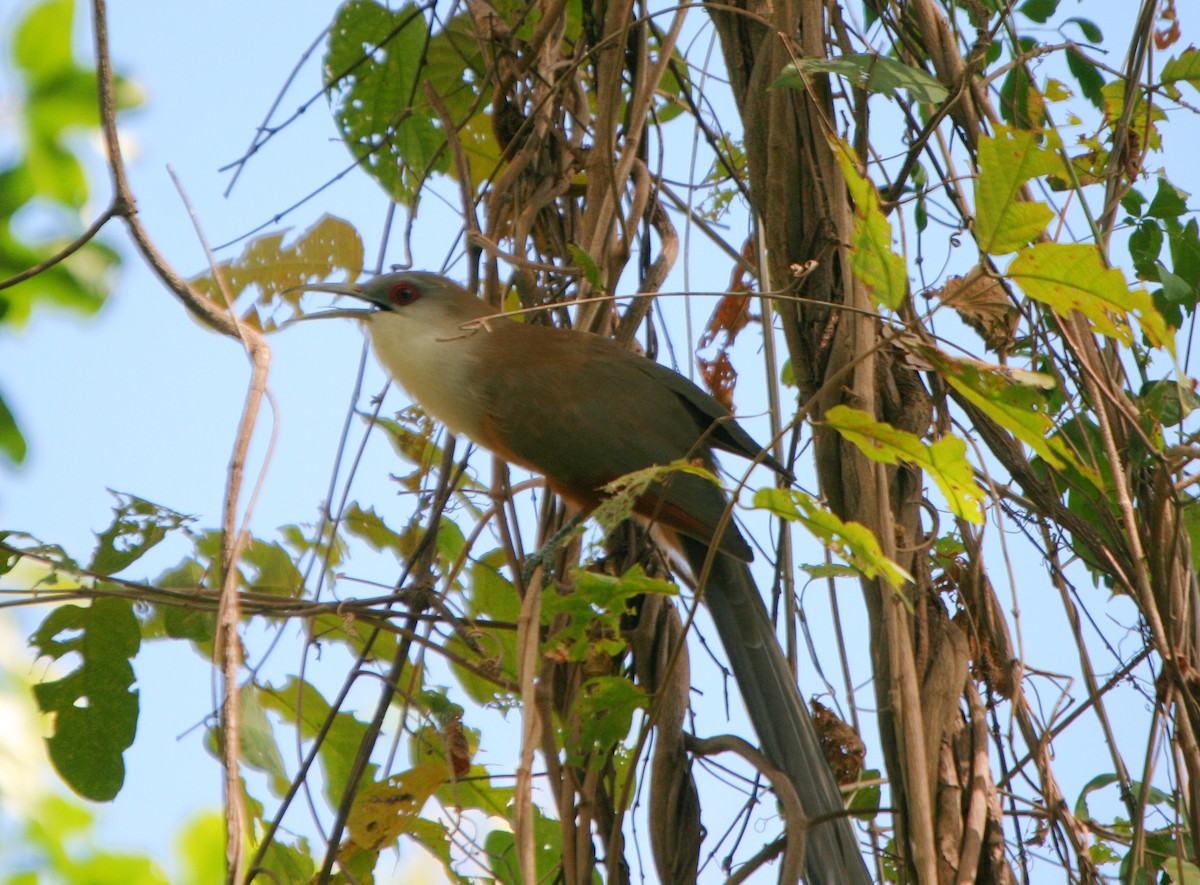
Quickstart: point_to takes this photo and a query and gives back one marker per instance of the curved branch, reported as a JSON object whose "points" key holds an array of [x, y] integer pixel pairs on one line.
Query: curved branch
{"points": [[796, 823]]}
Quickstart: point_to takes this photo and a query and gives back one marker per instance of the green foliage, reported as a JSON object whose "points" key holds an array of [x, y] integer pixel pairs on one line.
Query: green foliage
{"points": [[1183, 68], [386, 810], [851, 541], [605, 708], [490, 596], [1003, 221], [594, 607], [1166, 221], [95, 712], [864, 802], [60, 842], [1019, 408], [1072, 277], [1162, 847], [138, 526], [379, 101], [945, 460], [301, 704], [874, 73], [623, 493], [501, 848], [58, 100], [12, 441], [873, 259]]}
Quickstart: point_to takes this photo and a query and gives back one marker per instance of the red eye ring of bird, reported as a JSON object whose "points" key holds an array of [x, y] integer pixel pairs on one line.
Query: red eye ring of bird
{"points": [[403, 293]]}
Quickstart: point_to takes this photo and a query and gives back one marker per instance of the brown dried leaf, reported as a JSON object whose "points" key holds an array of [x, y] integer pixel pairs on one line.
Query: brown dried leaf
{"points": [[984, 305], [841, 744]]}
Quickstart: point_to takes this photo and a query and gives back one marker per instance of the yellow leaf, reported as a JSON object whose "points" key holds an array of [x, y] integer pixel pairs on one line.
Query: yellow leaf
{"points": [[945, 460], [852, 541], [1003, 221], [1073, 277], [872, 258], [386, 810]]}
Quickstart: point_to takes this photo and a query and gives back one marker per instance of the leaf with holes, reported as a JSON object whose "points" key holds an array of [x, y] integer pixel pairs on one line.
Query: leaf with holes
{"points": [[384, 811], [95, 711]]}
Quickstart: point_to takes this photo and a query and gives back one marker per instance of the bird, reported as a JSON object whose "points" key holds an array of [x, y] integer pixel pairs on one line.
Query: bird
{"points": [[582, 411]]}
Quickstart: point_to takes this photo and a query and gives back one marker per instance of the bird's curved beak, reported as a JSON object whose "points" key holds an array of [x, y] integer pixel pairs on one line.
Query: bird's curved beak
{"points": [[351, 289]]}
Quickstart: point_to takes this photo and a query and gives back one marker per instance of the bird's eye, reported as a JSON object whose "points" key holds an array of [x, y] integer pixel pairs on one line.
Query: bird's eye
{"points": [[404, 293]]}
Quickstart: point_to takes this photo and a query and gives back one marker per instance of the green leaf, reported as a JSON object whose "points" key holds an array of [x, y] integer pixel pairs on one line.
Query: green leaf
{"points": [[591, 270], [1169, 201], [1089, 78], [300, 704], [1022, 104], [1182, 872], [1185, 251], [872, 258], [827, 570], [595, 605], [12, 441], [864, 802], [95, 712], [373, 67], [1145, 244], [275, 571], [874, 73], [473, 790], [1168, 400], [386, 810], [259, 749], [201, 845], [1038, 10], [287, 863], [1073, 277], [367, 525], [493, 597], [41, 46], [851, 541], [197, 624], [623, 493], [944, 460], [1019, 408], [605, 706], [500, 847], [1154, 796], [1003, 221], [1184, 68], [138, 526], [1090, 32], [435, 836]]}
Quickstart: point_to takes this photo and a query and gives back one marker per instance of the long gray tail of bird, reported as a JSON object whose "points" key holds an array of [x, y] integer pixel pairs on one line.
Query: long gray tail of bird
{"points": [[778, 713]]}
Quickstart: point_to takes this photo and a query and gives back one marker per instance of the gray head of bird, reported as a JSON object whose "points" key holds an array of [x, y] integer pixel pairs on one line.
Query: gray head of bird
{"points": [[415, 296]]}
